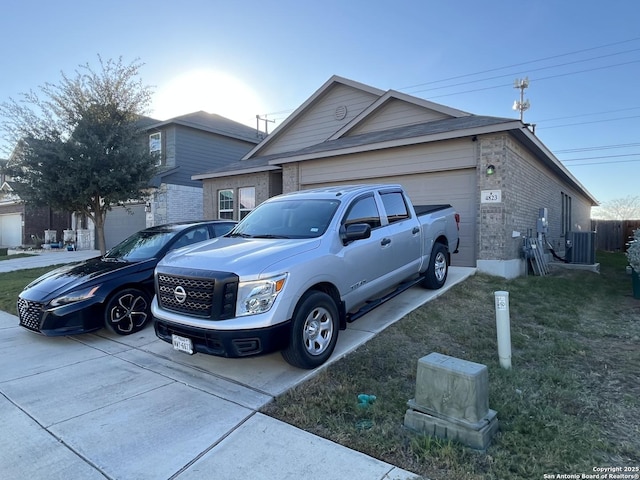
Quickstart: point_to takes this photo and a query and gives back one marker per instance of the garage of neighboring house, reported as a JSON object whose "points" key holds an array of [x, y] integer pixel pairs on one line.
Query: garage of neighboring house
{"points": [[121, 222], [494, 171], [10, 230]]}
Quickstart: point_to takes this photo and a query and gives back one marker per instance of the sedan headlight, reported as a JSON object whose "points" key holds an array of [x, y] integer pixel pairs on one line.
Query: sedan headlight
{"points": [[258, 296], [75, 296]]}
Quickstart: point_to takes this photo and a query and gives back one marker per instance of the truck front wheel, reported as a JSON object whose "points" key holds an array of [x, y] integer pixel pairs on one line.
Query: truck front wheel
{"points": [[438, 268], [314, 331]]}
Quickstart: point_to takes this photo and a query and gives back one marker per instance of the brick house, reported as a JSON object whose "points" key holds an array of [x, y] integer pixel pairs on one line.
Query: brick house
{"points": [[494, 171]]}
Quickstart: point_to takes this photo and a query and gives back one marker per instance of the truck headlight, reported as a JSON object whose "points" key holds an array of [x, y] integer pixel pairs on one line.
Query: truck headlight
{"points": [[258, 296]]}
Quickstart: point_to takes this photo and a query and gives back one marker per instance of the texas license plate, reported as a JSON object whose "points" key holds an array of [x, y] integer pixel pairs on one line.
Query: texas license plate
{"points": [[182, 344]]}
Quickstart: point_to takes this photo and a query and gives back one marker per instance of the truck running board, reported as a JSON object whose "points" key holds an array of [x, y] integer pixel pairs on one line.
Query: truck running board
{"points": [[352, 317]]}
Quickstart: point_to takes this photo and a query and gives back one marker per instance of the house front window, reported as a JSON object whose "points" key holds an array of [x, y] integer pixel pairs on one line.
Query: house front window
{"points": [[247, 199], [155, 146], [225, 204]]}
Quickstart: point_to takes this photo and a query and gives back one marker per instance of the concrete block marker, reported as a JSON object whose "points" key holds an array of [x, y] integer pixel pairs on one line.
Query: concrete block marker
{"points": [[452, 401]]}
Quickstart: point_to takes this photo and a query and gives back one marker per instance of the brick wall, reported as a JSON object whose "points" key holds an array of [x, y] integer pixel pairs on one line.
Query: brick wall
{"points": [[261, 181], [176, 203], [290, 177], [526, 186]]}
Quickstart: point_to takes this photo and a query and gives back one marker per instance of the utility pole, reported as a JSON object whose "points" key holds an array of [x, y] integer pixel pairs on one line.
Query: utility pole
{"points": [[522, 105], [266, 122]]}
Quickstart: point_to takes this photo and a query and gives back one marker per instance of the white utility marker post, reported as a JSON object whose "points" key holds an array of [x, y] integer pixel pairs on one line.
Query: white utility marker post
{"points": [[503, 327]]}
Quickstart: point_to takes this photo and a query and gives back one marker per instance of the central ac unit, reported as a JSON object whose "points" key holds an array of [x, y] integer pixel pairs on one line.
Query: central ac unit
{"points": [[581, 247]]}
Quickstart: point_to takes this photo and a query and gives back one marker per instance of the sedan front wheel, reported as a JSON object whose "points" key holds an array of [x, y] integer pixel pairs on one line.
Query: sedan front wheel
{"points": [[128, 311]]}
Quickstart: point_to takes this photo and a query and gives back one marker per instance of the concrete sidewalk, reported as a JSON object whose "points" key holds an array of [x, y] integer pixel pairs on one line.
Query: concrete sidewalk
{"points": [[105, 406], [46, 258]]}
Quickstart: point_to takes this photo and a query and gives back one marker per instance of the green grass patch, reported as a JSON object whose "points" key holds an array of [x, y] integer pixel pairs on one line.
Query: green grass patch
{"points": [[12, 283], [570, 402]]}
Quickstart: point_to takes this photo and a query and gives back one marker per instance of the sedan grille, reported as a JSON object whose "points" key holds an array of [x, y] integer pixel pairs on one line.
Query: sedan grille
{"points": [[30, 314]]}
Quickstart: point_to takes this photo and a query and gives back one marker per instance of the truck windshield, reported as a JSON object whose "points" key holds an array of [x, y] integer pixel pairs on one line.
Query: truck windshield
{"points": [[287, 219]]}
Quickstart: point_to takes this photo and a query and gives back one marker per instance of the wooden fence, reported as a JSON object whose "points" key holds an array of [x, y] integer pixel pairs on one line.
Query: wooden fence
{"points": [[612, 235]]}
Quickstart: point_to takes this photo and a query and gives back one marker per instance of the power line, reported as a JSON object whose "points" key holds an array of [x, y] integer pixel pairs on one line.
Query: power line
{"points": [[529, 71], [603, 163], [523, 63], [588, 123], [536, 79], [599, 147], [588, 114], [602, 156]]}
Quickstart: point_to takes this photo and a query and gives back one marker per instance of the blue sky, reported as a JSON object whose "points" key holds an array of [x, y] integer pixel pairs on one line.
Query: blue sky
{"points": [[239, 59]]}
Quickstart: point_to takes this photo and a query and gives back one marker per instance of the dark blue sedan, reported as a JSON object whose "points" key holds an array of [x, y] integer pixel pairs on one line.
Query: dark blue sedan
{"points": [[114, 290]]}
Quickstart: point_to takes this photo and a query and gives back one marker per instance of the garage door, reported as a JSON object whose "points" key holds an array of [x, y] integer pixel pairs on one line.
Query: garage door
{"points": [[121, 223], [10, 230], [455, 187]]}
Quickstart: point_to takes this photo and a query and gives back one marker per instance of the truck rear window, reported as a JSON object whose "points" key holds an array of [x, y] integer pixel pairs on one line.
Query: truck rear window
{"points": [[395, 206]]}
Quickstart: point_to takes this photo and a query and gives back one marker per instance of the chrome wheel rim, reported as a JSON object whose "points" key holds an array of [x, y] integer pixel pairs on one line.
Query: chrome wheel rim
{"points": [[440, 266], [129, 313], [317, 331]]}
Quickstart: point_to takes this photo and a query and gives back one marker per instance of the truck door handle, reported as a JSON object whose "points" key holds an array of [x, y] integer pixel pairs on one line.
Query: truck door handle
{"points": [[385, 241], [415, 230]]}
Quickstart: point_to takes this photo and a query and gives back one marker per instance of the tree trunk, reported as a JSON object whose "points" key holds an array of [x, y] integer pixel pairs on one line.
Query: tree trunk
{"points": [[99, 214]]}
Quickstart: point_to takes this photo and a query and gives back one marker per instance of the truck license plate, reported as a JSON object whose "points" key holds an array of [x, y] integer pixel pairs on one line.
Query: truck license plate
{"points": [[182, 344]]}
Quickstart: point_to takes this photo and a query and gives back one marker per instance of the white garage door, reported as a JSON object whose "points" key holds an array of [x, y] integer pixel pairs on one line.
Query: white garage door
{"points": [[10, 230], [455, 187]]}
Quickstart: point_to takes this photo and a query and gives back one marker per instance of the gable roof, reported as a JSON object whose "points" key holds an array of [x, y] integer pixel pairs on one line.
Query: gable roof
{"points": [[405, 135], [308, 104], [213, 123], [389, 96], [401, 136], [455, 124]]}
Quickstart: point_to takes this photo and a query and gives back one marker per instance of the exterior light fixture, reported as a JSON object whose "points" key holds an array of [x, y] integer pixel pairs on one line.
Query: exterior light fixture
{"points": [[491, 169]]}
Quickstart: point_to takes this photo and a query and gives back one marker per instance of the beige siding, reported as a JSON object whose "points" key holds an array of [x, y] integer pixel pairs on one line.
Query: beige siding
{"points": [[416, 159], [319, 122], [396, 113]]}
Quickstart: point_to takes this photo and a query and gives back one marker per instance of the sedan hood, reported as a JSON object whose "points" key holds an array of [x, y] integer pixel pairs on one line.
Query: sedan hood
{"points": [[85, 274], [242, 256]]}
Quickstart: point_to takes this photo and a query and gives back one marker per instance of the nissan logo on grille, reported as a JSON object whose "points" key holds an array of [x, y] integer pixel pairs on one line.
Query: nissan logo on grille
{"points": [[180, 294]]}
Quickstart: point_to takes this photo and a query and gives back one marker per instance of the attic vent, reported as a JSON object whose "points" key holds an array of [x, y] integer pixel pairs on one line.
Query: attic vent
{"points": [[341, 112]]}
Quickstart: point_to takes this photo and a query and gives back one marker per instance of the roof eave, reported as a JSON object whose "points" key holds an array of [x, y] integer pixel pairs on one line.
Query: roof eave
{"points": [[528, 138], [231, 173], [403, 142]]}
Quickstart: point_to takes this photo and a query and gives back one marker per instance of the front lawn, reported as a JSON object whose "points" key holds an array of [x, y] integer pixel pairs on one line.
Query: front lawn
{"points": [[570, 403]]}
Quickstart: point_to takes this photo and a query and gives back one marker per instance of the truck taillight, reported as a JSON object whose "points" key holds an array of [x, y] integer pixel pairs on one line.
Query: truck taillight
{"points": [[457, 215]]}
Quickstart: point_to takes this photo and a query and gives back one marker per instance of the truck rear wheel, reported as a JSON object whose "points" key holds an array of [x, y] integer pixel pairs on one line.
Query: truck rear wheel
{"points": [[438, 268], [314, 331]]}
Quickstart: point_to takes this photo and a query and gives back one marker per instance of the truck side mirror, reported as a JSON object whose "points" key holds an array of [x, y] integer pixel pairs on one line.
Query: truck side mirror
{"points": [[355, 231]]}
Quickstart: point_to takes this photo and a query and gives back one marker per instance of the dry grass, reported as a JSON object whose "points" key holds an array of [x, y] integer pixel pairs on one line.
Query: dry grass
{"points": [[570, 403]]}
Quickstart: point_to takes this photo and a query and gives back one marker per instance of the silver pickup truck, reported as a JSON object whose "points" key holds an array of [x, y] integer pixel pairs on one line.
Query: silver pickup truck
{"points": [[298, 268]]}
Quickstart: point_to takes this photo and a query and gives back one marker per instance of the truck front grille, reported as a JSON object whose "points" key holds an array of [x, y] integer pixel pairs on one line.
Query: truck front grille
{"points": [[211, 297], [30, 314]]}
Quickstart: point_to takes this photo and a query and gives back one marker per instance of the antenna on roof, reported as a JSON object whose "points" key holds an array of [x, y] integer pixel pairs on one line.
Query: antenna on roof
{"points": [[522, 105], [266, 126]]}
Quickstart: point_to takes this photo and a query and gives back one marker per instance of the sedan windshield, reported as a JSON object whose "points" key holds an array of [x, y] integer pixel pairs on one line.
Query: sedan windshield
{"points": [[288, 219], [140, 246]]}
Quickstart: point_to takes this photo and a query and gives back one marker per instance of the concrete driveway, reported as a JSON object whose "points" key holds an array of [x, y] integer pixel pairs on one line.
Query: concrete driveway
{"points": [[102, 406]]}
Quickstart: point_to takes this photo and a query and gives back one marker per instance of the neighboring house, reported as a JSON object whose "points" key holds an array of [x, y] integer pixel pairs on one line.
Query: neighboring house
{"points": [[184, 146], [24, 224], [494, 171]]}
